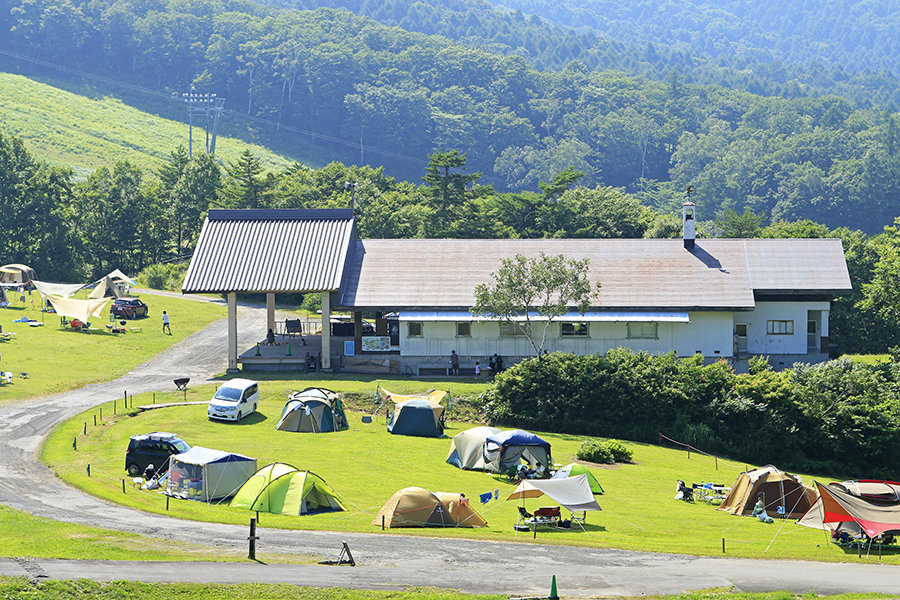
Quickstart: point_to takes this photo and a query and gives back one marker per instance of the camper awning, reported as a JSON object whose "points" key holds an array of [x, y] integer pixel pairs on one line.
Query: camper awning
{"points": [[592, 316], [574, 493]]}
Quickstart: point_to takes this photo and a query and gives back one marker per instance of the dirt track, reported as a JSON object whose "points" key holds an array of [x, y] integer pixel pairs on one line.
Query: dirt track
{"points": [[387, 561]]}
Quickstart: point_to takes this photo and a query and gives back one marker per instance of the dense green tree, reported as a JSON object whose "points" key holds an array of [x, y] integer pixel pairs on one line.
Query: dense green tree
{"points": [[247, 184], [548, 285]]}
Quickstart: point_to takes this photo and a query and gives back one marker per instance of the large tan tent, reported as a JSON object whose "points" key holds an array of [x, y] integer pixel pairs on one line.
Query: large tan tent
{"points": [[417, 507], [783, 494], [466, 448]]}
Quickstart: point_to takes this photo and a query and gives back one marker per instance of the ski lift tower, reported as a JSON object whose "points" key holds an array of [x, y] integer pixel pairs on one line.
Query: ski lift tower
{"points": [[208, 106]]}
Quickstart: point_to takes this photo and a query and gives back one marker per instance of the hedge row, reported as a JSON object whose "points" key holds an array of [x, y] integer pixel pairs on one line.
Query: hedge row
{"points": [[839, 417]]}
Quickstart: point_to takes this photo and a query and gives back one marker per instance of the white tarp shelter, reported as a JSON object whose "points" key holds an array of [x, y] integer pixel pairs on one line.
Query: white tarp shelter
{"points": [[205, 474], [82, 310], [573, 493], [56, 289]]}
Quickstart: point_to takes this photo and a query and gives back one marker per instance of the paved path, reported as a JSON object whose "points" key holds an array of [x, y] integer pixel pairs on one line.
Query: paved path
{"points": [[386, 561]]}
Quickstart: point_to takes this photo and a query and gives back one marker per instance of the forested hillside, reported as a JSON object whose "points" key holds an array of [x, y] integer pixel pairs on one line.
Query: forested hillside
{"points": [[768, 48], [341, 81]]}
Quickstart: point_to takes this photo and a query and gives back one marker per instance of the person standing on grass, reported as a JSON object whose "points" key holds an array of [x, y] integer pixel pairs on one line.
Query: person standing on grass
{"points": [[166, 327]]}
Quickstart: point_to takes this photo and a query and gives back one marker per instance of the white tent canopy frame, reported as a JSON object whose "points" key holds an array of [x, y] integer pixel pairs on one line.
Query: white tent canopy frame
{"points": [[572, 493]]}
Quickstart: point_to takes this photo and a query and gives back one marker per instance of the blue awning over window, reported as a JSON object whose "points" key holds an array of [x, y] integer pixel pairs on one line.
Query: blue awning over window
{"points": [[594, 316]]}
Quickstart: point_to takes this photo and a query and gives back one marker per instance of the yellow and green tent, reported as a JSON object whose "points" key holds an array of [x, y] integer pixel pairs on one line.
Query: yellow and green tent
{"points": [[283, 489]]}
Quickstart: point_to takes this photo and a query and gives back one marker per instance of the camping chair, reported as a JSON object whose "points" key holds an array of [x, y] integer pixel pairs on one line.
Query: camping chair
{"points": [[524, 515], [512, 473]]}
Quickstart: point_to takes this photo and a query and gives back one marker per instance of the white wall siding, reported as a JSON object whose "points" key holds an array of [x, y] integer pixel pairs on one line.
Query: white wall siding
{"points": [[759, 341]]}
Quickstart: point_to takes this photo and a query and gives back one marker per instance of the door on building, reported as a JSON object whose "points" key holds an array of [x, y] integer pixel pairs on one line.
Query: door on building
{"points": [[812, 335], [740, 338]]}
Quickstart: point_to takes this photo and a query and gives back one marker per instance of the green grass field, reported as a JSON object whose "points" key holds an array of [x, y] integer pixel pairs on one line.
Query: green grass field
{"points": [[85, 132], [365, 465], [58, 358]]}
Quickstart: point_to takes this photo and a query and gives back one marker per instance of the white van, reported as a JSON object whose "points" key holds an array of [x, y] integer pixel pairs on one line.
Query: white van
{"points": [[234, 400]]}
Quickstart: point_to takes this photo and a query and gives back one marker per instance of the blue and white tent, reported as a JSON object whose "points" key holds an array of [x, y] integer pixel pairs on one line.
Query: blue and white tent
{"points": [[510, 448]]}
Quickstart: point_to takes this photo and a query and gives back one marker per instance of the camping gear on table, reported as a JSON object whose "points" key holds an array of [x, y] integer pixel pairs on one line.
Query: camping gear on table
{"points": [[206, 474], [509, 448], [784, 494], [284, 489], [856, 507], [417, 507], [466, 448], [573, 469], [314, 410], [422, 418]]}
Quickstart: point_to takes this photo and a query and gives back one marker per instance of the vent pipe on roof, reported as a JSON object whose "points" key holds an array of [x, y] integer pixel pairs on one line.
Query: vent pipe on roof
{"points": [[689, 222]]}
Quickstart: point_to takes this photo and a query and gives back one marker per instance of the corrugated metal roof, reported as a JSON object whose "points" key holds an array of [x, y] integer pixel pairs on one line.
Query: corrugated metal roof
{"points": [[636, 274], [270, 251], [592, 316]]}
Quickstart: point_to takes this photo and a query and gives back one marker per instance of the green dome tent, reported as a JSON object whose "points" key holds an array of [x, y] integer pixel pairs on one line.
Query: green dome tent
{"points": [[573, 470], [280, 488]]}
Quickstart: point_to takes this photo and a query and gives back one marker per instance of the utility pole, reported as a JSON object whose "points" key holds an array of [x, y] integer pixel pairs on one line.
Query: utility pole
{"points": [[208, 106]]}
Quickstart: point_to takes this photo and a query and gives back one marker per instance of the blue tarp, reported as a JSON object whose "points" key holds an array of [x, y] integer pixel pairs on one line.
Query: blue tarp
{"points": [[517, 437]]}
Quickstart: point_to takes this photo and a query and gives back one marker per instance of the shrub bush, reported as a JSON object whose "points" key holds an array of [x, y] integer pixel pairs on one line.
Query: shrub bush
{"points": [[164, 276], [603, 452], [595, 451]]}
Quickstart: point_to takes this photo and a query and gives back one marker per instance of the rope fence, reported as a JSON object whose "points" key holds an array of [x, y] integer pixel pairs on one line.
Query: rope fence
{"points": [[690, 448]]}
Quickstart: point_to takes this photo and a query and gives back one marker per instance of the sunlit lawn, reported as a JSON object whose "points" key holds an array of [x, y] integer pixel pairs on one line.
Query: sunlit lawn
{"points": [[57, 358], [365, 465]]}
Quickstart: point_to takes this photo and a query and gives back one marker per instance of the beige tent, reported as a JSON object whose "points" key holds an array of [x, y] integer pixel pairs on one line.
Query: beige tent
{"points": [[16, 273], [783, 494], [106, 289], [466, 448], [417, 507], [82, 310]]}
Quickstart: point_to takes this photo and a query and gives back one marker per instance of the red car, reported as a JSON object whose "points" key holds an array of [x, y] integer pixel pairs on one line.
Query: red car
{"points": [[128, 308]]}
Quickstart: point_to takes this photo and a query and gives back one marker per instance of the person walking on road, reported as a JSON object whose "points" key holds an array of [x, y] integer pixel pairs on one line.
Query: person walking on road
{"points": [[166, 327]]}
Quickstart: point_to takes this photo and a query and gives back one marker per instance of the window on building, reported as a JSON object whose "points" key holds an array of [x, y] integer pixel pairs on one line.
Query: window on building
{"points": [[414, 329], [573, 329], [642, 331], [508, 329], [780, 327], [464, 329]]}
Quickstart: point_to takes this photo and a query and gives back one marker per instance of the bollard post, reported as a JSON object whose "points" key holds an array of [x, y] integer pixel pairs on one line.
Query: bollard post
{"points": [[252, 538], [723, 545], [167, 502], [154, 397], [257, 517], [101, 413], [89, 469], [75, 444], [123, 486], [114, 407], [95, 420], [382, 522], [84, 432]]}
